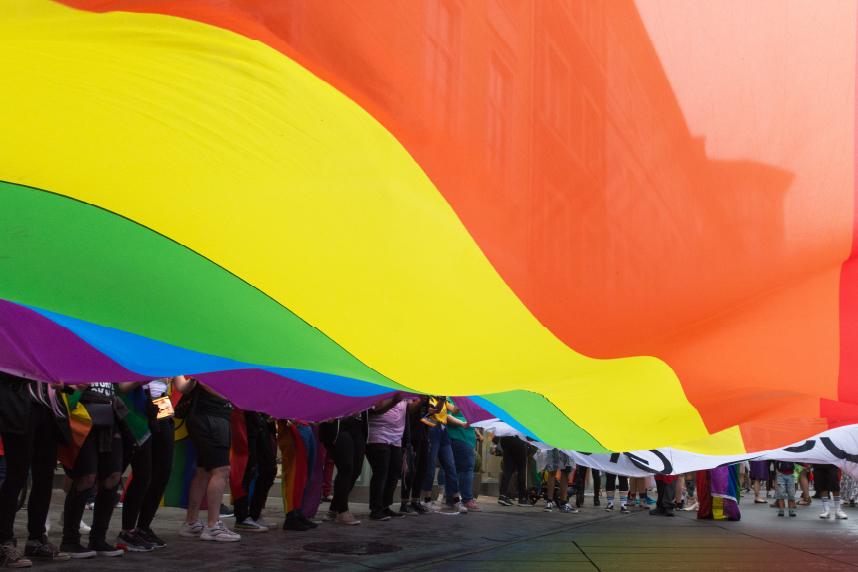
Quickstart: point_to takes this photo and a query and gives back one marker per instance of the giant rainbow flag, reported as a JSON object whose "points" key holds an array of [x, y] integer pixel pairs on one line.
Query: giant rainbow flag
{"points": [[616, 225]]}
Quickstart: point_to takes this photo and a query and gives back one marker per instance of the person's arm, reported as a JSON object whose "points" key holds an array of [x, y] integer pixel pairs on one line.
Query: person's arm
{"points": [[184, 384], [128, 386], [414, 404], [457, 422], [384, 405]]}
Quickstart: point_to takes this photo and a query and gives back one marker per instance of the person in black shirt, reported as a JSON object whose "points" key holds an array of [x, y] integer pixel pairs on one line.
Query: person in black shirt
{"points": [[98, 462], [33, 420]]}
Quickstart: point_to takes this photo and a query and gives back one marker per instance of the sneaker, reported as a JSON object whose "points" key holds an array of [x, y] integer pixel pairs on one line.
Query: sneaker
{"points": [[406, 509], [460, 506], [694, 506], [624, 509], [524, 502], [393, 514], [504, 501], [347, 518], [307, 522], [472, 506], [549, 506], [418, 507], [44, 550], [150, 537], [610, 506], [840, 515], [76, 550], [104, 548], [568, 508], [219, 533], [378, 515], [225, 511], [90, 505], [250, 525], [330, 516], [792, 512], [295, 524], [130, 541], [191, 529], [780, 512], [11, 557], [431, 506], [449, 510], [825, 514]]}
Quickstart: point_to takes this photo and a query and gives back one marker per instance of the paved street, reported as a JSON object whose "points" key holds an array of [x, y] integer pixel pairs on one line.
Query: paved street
{"points": [[512, 539]]}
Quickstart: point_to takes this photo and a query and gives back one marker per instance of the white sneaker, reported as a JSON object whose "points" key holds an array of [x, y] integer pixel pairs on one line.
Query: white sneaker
{"points": [[431, 506], [250, 525], [840, 515], [460, 506], [219, 533], [262, 522], [191, 529], [825, 514], [549, 506]]}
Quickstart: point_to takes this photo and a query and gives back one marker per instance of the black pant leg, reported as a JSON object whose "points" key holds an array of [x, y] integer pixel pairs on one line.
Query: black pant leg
{"points": [[109, 463], [44, 462], [18, 453], [394, 470], [266, 467], [378, 456], [342, 451], [358, 452], [162, 465], [141, 479]]}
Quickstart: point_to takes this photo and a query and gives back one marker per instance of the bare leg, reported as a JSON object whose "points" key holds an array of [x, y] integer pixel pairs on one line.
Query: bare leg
{"points": [[195, 495], [549, 486], [214, 493]]}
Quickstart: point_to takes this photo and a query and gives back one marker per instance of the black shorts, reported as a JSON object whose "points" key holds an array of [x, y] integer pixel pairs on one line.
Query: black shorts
{"points": [[91, 461], [211, 438], [825, 478]]}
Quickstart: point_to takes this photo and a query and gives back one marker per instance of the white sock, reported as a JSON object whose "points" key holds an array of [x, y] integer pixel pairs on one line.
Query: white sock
{"points": [[825, 504], [836, 503]]}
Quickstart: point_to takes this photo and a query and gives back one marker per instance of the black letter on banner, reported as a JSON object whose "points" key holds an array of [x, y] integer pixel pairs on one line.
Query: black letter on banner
{"points": [[837, 451], [807, 446], [643, 465]]}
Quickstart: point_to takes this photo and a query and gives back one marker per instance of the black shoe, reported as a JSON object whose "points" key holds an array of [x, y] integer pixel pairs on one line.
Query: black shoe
{"points": [[295, 524], [669, 512], [418, 508], [44, 550], [104, 548], [226, 512], [393, 514], [76, 550], [504, 501], [405, 508], [523, 502], [596, 501], [130, 541], [378, 515], [307, 522], [150, 537], [656, 511]]}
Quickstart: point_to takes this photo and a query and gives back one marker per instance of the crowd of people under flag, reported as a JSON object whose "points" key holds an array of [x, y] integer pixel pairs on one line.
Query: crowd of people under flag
{"points": [[99, 432]]}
